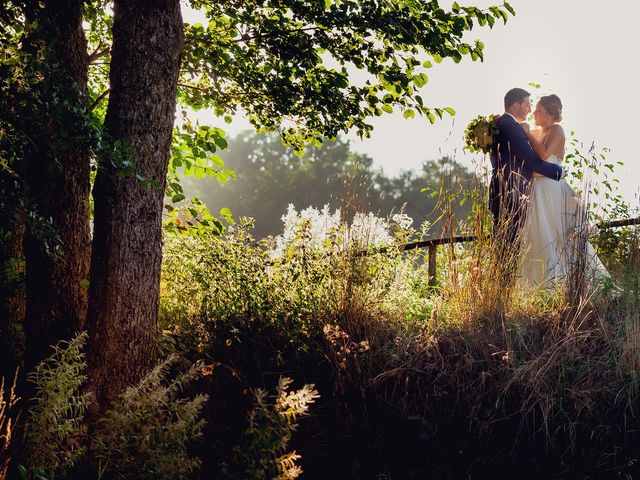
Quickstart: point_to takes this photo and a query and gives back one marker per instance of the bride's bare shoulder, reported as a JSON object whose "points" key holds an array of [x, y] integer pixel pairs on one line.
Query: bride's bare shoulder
{"points": [[558, 131]]}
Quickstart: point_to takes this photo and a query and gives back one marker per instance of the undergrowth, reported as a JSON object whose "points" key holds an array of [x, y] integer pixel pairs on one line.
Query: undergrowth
{"points": [[475, 374]]}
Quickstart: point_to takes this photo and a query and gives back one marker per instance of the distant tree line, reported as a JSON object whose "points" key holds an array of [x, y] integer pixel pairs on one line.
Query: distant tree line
{"points": [[270, 177]]}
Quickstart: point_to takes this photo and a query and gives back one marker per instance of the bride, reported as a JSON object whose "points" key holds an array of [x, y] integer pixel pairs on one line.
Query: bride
{"points": [[555, 216]]}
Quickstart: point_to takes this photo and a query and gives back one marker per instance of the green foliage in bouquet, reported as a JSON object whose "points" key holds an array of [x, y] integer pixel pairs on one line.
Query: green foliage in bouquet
{"points": [[480, 133]]}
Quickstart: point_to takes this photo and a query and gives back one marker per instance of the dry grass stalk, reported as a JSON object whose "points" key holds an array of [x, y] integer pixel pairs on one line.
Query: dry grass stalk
{"points": [[8, 401]]}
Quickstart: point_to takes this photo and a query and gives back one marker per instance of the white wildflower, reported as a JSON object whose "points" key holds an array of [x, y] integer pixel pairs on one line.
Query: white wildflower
{"points": [[402, 220], [323, 225]]}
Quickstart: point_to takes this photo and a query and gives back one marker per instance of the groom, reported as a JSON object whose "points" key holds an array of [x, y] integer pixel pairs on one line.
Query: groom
{"points": [[513, 163]]}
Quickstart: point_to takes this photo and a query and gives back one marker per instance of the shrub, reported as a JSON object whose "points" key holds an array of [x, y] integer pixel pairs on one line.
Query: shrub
{"points": [[55, 432], [271, 425], [218, 288], [147, 431]]}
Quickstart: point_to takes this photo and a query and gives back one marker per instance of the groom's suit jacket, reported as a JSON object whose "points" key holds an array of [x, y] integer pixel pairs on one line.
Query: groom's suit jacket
{"points": [[513, 163]]}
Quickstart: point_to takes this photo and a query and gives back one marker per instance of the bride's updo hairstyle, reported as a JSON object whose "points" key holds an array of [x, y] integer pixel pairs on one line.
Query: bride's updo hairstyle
{"points": [[553, 106]]}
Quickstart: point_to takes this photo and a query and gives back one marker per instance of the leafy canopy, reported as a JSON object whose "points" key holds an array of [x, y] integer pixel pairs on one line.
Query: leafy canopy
{"points": [[289, 64]]}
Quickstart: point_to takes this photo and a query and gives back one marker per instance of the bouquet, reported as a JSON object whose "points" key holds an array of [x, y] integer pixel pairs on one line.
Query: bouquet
{"points": [[480, 133]]}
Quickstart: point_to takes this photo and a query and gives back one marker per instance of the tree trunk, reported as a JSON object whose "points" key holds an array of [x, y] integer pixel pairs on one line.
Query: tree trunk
{"points": [[127, 243], [58, 181]]}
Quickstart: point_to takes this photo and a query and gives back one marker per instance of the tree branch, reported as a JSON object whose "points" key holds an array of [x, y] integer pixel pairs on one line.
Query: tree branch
{"points": [[97, 53], [99, 99]]}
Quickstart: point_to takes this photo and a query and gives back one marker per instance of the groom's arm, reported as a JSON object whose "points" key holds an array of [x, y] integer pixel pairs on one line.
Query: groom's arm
{"points": [[521, 149]]}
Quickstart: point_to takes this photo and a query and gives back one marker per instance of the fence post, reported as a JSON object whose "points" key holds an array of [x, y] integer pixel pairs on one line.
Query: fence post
{"points": [[433, 249]]}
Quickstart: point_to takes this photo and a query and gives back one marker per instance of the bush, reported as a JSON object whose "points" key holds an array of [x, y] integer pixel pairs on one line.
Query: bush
{"points": [[147, 431], [55, 431], [271, 425]]}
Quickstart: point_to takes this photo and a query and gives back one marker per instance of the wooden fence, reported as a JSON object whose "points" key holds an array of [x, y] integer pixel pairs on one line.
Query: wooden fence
{"points": [[432, 244]]}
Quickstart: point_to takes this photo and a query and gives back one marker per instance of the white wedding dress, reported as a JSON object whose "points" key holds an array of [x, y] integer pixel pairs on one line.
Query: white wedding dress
{"points": [[551, 239]]}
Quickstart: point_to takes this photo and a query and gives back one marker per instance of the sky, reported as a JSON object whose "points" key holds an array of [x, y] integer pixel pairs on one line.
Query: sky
{"points": [[581, 50]]}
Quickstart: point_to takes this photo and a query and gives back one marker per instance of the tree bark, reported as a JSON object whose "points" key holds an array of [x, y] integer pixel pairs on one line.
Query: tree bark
{"points": [[57, 175], [127, 243]]}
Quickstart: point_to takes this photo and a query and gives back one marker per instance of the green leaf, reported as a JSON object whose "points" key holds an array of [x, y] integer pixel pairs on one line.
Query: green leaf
{"points": [[218, 225], [230, 173], [221, 177], [450, 111], [510, 8], [421, 80], [217, 161], [409, 114], [188, 168], [221, 143], [387, 108]]}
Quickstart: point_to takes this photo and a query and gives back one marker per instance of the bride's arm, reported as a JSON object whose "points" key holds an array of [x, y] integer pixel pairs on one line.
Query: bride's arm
{"points": [[538, 147], [554, 146]]}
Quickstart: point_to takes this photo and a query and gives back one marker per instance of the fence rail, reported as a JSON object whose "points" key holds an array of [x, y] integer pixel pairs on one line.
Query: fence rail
{"points": [[432, 244]]}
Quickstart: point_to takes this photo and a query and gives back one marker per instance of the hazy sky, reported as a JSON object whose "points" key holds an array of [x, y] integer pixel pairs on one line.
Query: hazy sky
{"points": [[582, 50]]}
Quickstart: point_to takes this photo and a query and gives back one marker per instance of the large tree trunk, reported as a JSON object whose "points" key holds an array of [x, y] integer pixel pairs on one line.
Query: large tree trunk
{"points": [[127, 242], [58, 181]]}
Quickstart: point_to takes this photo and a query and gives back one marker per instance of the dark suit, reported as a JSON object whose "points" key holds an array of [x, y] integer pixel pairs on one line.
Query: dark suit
{"points": [[513, 163]]}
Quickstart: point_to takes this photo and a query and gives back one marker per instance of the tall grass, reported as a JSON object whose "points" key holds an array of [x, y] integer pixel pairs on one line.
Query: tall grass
{"points": [[8, 419]]}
